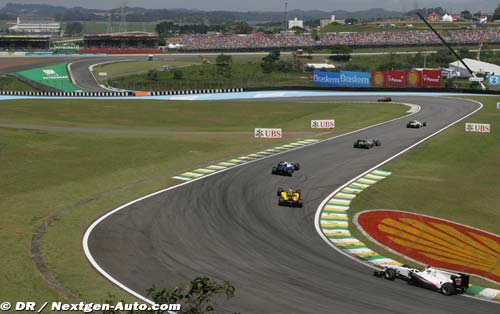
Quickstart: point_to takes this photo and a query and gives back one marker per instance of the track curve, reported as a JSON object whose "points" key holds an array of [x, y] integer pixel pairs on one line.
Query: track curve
{"points": [[229, 226]]}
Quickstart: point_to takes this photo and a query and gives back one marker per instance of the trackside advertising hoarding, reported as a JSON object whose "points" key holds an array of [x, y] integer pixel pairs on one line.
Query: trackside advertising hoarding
{"points": [[431, 78], [477, 127], [414, 78], [341, 79], [494, 81], [395, 78], [322, 124], [268, 133]]}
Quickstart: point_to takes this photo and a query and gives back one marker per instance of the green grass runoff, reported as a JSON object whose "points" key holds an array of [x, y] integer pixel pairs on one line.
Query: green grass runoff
{"points": [[121, 69], [45, 171], [10, 83], [206, 76], [454, 176]]}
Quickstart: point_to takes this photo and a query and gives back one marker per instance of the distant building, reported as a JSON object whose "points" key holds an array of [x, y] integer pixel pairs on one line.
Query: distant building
{"points": [[295, 23], [319, 66], [433, 17], [476, 67], [447, 18], [53, 29], [326, 22], [24, 43], [121, 43]]}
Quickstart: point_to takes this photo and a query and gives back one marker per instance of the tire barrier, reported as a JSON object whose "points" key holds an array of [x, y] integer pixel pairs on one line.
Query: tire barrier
{"points": [[119, 94]]}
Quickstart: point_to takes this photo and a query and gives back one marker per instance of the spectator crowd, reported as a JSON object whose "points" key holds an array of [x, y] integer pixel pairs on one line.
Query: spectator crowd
{"points": [[376, 39]]}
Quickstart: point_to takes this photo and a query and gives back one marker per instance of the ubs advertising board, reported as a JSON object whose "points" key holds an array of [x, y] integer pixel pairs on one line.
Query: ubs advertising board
{"points": [[342, 79]]}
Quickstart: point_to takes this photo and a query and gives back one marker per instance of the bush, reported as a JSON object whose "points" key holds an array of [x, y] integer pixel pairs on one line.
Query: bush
{"points": [[178, 75]]}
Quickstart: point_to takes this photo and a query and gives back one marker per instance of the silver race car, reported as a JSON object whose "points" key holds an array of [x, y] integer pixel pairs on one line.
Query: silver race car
{"points": [[429, 278], [415, 124]]}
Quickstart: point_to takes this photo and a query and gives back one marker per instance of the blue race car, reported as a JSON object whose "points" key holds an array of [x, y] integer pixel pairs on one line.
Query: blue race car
{"points": [[285, 168]]}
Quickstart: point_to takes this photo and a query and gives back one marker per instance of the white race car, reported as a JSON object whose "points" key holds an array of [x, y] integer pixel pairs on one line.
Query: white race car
{"points": [[429, 278], [415, 124]]}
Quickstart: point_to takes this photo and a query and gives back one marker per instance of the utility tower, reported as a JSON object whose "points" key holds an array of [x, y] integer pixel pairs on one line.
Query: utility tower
{"points": [[123, 20], [110, 23]]}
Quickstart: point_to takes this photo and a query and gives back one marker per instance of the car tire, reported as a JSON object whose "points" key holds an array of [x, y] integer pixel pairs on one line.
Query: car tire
{"points": [[390, 274], [274, 171], [448, 289], [296, 166]]}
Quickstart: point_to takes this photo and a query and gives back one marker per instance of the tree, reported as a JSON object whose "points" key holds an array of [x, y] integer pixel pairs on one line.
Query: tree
{"points": [[268, 64], [223, 63], [442, 58], [199, 296], [496, 14], [178, 75], [166, 28], [242, 28], [466, 15], [297, 30], [73, 29], [340, 53], [223, 60]]}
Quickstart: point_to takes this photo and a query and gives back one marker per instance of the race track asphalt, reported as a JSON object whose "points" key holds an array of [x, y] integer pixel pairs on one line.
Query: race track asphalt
{"points": [[228, 226]]}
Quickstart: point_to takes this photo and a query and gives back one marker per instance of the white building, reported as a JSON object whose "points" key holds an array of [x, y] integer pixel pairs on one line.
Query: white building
{"points": [[319, 66], [295, 23], [325, 22], [447, 18], [35, 28], [476, 67]]}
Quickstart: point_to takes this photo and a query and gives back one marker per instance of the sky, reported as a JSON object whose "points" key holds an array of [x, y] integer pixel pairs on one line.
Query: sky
{"points": [[276, 5]]}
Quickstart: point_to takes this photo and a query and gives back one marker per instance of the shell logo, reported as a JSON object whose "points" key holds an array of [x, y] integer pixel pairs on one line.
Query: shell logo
{"points": [[413, 78], [435, 241], [378, 78]]}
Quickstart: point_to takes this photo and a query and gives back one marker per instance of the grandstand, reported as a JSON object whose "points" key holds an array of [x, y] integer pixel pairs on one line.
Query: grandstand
{"points": [[53, 29], [24, 42], [261, 41], [121, 43]]}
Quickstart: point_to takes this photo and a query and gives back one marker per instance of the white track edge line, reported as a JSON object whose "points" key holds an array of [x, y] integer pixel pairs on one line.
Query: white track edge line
{"points": [[89, 230]]}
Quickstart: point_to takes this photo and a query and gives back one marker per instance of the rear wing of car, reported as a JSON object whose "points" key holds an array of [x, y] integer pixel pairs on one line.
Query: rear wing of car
{"points": [[461, 281]]}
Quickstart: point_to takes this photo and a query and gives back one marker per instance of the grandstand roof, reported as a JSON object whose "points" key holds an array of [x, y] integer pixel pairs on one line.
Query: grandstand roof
{"points": [[123, 35]]}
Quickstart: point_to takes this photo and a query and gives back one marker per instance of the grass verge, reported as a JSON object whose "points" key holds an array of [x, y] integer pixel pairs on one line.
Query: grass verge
{"points": [[454, 176], [43, 172], [206, 76], [10, 83]]}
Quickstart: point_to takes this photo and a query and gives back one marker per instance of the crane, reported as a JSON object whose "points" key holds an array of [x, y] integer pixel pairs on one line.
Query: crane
{"points": [[484, 39]]}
